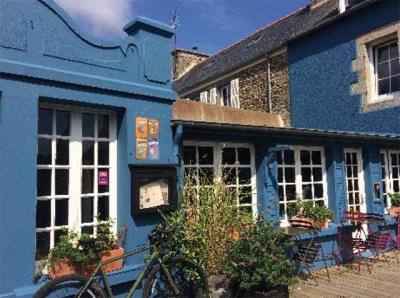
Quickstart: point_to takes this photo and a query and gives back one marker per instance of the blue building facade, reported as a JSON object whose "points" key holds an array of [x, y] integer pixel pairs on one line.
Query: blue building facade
{"points": [[70, 110]]}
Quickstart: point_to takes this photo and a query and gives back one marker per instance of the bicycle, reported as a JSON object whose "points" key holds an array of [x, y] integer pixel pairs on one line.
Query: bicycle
{"points": [[175, 276]]}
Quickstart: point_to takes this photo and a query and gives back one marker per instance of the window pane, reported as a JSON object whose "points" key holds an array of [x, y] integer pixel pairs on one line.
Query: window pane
{"points": [[103, 126], [394, 67], [43, 182], [87, 210], [189, 155], [396, 186], [62, 182], [206, 176], [63, 123], [394, 51], [290, 192], [87, 181], [243, 156], [103, 153], [103, 208], [280, 175], [318, 191], [229, 156], [306, 174], [305, 157], [43, 214], [279, 158], [42, 245], [61, 212], [288, 157], [383, 86], [383, 53], [244, 175], [317, 174], [395, 84], [103, 187], [383, 70], [62, 152], [245, 195], [316, 157], [393, 158], [88, 125], [307, 191], [45, 126], [206, 155], [88, 152], [290, 175], [87, 230], [229, 175], [44, 152]]}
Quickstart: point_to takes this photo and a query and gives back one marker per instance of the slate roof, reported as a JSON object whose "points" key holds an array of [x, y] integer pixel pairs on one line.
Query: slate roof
{"points": [[266, 40]]}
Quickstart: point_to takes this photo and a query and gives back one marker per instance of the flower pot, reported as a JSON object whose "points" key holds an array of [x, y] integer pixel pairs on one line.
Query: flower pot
{"points": [[64, 267], [305, 222], [394, 211], [112, 254]]}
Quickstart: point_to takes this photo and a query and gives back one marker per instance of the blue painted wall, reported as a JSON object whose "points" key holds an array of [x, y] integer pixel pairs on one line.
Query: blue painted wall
{"points": [[44, 57], [320, 70]]}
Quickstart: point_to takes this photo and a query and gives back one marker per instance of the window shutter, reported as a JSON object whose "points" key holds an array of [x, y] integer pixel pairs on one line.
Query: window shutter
{"points": [[203, 96], [235, 93], [213, 96]]}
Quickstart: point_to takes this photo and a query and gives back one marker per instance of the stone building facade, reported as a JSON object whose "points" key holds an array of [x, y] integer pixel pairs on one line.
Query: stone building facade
{"points": [[185, 60]]}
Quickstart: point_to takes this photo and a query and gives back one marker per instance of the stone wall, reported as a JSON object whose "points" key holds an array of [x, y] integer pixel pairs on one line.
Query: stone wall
{"points": [[185, 60], [280, 94]]}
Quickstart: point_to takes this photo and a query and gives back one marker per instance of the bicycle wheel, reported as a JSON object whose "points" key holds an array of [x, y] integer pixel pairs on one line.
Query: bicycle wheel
{"points": [[69, 286], [188, 276]]}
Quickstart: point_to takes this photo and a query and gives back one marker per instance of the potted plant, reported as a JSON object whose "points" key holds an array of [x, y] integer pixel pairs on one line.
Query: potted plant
{"points": [[307, 211], [258, 264], [68, 257], [394, 210]]}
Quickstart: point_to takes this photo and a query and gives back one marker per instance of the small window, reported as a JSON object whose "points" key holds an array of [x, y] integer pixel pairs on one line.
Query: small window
{"points": [[386, 66], [226, 96]]}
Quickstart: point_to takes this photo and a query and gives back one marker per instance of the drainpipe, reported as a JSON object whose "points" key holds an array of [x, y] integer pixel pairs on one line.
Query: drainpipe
{"points": [[269, 85]]}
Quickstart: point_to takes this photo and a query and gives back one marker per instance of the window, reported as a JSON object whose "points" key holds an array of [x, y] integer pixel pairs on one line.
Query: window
{"points": [[390, 162], [76, 173], [230, 94], [301, 171], [386, 65], [234, 162], [226, 96]]}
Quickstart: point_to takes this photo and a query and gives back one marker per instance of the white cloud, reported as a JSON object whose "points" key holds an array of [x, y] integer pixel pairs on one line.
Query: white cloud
{"points": [[101, 18]]}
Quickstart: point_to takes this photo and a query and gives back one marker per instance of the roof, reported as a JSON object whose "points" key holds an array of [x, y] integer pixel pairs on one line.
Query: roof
{"points": [[264, 41], [292, 135]]}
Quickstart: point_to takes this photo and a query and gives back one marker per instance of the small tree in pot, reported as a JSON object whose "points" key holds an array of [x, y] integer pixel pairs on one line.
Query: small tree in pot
{"points": [[394, 210]]}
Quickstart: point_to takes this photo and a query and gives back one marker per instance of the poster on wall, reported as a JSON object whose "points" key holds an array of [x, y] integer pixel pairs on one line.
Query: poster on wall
{"points": [[141, 148], [141, 128], [103, 177], [147, 138], [153, 129], [154, 152], [153, 194]]}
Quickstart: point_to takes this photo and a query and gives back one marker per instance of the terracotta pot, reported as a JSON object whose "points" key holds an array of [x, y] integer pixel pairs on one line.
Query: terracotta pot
{"points": [[65, 268], [112, 254], [394, 211], [305, 222]]}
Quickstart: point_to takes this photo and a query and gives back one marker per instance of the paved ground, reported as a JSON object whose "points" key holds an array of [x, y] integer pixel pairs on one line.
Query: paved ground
{"points": [[383, 281]]}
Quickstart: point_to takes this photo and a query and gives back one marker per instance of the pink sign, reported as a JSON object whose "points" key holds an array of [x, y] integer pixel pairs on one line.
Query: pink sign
{"points": [[103, 177]]}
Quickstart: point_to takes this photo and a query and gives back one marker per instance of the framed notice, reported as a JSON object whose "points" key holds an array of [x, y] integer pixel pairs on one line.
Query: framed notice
{"points": [[153, 189], [147, 138]]}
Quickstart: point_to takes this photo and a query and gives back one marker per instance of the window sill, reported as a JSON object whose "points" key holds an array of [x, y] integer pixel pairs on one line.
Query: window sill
{"points": [[389, 101]]}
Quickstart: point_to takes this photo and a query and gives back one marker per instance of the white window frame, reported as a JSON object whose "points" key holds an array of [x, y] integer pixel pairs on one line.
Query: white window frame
{"points": [[388, 180], [228, 90], [372, 55], [217, 160], [298, 179], [75, 166]]}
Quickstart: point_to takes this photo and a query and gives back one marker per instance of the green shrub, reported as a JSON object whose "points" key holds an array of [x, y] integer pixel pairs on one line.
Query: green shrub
{"points": [[395, 199], [259, 259]]}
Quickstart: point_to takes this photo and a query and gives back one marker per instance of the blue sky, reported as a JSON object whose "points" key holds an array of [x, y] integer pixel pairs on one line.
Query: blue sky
{"points": [[211, 25]]}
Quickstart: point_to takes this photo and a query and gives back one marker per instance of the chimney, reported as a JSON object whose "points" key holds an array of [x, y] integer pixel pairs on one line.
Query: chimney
{"points": [[316, 3]]}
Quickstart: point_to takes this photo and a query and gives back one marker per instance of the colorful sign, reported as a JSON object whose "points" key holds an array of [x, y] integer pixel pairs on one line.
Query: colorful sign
{"points": [[147, 138], [103, 177]]}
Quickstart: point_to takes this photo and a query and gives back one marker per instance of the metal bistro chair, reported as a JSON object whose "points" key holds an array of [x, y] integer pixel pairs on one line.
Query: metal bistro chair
{"points": [[308, 252]]}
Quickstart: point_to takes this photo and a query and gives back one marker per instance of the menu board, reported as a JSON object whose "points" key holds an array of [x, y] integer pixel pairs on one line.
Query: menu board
{"points": [[153, 193]]}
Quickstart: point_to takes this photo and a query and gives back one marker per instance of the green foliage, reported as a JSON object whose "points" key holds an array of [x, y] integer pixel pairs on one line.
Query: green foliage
{"points": [[259, 259], [307, 208], [208, 216], [395, 199], [81, 256]]}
